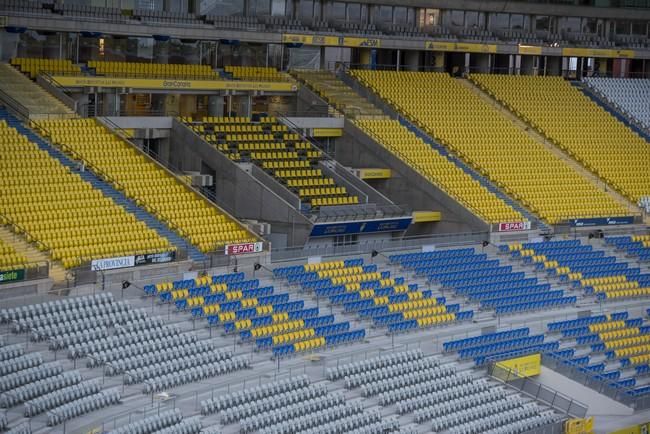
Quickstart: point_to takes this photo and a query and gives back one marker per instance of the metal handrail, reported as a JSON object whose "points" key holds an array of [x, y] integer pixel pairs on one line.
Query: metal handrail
{"points": [[295, 129], [173, 171], [572, 368], [509, 377], [97, 171]]}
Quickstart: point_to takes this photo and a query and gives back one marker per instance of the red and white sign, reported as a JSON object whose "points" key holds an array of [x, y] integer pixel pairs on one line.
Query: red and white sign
{"points": [[244, 248], [514, 226]]}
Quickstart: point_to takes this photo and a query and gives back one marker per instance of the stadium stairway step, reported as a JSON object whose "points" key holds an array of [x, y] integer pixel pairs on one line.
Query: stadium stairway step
{"points": [[106, 188], [33, 255], [33, 97], [533, 134], [444, 152]]}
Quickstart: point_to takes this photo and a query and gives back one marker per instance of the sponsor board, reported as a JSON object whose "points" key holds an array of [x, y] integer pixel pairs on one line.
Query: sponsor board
{"points": [[598, 52], [112, 263], [12, 276], [155, 258], [514, 226], [146, 83], [330, 41], [526, 366], [361, 227], [461, 47], [602, 221], [243, 248]]}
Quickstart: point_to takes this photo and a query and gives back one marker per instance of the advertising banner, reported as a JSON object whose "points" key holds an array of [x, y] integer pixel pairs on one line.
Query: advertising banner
{"points": [[602, 221], [112, 263], [244, 248], [12, 276], [514, 226]]}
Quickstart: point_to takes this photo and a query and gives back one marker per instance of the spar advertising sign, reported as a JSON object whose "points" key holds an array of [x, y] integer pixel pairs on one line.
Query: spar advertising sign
{"points": [[244, 248], [514, 226]]}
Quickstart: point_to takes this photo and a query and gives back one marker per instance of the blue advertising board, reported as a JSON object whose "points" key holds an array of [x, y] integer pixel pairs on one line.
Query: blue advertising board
{"points": [[360, 227], [602, 221]]}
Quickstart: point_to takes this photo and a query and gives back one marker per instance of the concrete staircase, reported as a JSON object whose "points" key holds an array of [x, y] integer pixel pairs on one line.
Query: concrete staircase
{"points": [[107, 189], [338, 94], [533, 134], [33, 255], [33, 97]]}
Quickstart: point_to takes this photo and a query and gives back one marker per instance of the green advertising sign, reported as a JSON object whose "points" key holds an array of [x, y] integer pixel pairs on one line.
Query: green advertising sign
{"points": [[11, 276]]}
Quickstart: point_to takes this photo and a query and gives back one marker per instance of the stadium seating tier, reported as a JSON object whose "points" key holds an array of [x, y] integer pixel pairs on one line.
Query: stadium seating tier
{"points": [[192, 216], [486, 139], [579, 126], [61, 212]]}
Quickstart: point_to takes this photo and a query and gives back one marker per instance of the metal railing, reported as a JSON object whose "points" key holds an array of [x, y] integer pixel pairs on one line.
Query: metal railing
{"points": [[544, 394], [61, 92], [621, 394], [380, 245], [107, 178], [173, 171], [343, 212]]}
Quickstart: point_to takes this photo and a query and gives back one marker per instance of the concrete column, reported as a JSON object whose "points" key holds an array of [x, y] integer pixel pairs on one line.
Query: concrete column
{"points": [[412, 60], [527, 65], [553, 65], [364, 56], [482, 62], [160, 52], [215, 105]]}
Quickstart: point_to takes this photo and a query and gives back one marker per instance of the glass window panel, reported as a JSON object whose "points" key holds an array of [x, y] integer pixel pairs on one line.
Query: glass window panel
{"points": [[639, 27], [354, 12], [306, 9], [399, 15], [337, 11], [471, 19], [622, 27], [541, 22], [386, 13], [278, 8], [516, 22], [500, 21]]}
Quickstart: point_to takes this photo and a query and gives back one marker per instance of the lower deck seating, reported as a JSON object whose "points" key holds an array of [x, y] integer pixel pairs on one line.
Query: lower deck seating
{"points": [[613, 349], [584, 267], [376, 296], [283, 155], [168, 422], [123, 341], [296, 405], [61, 213], [259, 315], [204, 224], [48, 390], [475, 276], [437, 394], [635, 246], [500, 346]]}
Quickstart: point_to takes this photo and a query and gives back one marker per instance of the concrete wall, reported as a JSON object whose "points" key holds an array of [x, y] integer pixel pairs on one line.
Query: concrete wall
{"points": [[407, 186], [236, 190], [316, 122]]}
